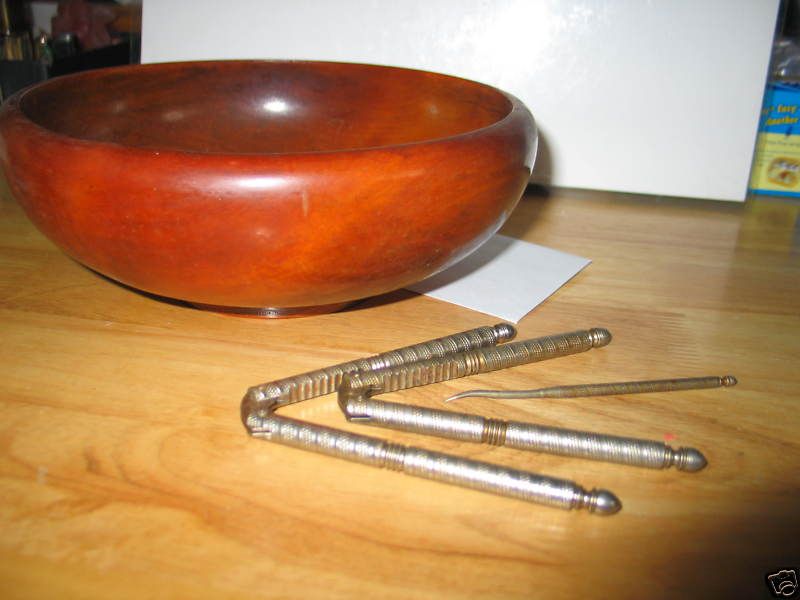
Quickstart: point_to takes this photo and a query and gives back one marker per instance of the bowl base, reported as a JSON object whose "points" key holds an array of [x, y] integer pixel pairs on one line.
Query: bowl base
{"points": [[291, 312]]}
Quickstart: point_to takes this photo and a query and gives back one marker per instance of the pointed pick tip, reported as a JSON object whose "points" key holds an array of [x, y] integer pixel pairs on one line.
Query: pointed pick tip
{"points": [[468, 394], [459, 396]]}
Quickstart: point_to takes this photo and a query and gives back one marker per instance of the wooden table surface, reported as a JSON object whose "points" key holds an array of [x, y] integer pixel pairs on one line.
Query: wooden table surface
{"points": [[125, 471]]}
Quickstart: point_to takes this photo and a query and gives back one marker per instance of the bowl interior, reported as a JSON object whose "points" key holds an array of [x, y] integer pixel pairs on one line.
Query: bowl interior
{"points": [[262, 107]]}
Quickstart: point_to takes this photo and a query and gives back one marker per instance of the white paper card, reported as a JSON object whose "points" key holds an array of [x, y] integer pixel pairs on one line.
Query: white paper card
{"points": [[505, 277]]}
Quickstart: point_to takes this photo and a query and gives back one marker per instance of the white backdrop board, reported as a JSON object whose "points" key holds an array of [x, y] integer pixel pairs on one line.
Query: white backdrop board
{"points": [[660, 97]]}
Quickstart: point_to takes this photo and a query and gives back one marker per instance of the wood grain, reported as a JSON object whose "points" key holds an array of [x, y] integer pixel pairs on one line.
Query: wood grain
{"points": [[125, 472]]}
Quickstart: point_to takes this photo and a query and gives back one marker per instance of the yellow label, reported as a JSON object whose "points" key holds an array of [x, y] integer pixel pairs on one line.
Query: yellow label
{"points": [[777, 163]]}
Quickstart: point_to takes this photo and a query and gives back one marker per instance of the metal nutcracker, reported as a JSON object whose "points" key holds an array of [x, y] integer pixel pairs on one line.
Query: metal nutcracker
{"points": [[471, 352]]}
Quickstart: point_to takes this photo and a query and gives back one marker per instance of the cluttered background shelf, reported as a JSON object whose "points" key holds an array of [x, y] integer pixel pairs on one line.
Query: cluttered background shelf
{"points": [[124, 466]]}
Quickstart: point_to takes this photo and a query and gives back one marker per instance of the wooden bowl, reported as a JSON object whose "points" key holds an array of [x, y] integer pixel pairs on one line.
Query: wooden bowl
{"points": [[285, 187]]}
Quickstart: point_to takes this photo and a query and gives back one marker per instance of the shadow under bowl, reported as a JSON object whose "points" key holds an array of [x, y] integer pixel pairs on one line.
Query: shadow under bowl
{"points": [[279, 186]]}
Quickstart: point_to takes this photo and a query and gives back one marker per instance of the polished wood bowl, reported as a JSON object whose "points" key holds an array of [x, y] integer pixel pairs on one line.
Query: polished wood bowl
{"points": [[286, 186]]}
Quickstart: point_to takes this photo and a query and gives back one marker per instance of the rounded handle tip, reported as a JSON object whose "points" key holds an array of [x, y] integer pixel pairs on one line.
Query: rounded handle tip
{"points": [[604, 503], [505, 332], [690, 460], [600, 337]]}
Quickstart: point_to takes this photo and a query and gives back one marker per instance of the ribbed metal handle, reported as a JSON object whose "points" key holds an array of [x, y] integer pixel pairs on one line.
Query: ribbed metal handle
{"points": [[436, 466], [472, 362], [319, 382], [597, 446], [523, 436]]}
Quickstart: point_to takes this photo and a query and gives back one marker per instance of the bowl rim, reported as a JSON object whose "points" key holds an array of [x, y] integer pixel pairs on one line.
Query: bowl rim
{"points": [[13, 104]]}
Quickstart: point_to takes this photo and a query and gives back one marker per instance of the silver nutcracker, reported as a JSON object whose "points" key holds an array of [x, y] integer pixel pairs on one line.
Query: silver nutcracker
{"points": [[476, 351]]}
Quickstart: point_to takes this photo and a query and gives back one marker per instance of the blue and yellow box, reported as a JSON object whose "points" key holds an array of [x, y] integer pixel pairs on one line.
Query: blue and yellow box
{"points": [[776, 166]]}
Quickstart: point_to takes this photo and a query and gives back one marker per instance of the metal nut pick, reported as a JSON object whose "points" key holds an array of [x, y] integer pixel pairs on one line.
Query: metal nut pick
{"points": [[604, 389], [438, 360]]}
